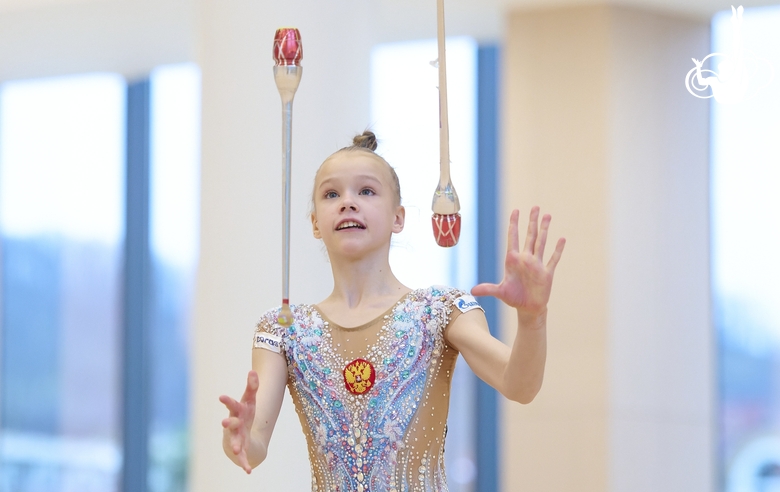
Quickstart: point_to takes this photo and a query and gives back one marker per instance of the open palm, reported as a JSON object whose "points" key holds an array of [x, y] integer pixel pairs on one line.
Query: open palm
{"points": [[527, 280], [239, 422]]}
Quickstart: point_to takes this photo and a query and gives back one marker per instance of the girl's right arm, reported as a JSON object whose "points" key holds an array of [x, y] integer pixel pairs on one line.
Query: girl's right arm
{"points": [[248, 428]]}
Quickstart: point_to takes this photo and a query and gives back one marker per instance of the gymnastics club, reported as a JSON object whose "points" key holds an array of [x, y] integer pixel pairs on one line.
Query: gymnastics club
{"points": [[288, 53], [446, 219]]}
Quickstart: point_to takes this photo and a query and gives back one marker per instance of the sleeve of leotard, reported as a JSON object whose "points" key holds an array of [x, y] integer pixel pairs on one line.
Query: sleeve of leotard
{"points": [[269, 335], [460, 302]]}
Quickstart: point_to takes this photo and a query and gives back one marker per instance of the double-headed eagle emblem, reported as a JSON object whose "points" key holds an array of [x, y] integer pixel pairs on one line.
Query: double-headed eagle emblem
{"points": [[359, 376]]}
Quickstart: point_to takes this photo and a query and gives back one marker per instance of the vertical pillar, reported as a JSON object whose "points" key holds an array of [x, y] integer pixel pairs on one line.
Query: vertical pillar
{"points": [[487, 251], [135, 390], [600, 132]]}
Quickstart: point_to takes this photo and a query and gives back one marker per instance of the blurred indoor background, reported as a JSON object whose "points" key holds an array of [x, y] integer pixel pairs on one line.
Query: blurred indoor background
{"points": [[140, 190]]}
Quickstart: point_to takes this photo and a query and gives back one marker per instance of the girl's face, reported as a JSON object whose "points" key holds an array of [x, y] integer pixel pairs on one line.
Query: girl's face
{"points": [[356, 209]]}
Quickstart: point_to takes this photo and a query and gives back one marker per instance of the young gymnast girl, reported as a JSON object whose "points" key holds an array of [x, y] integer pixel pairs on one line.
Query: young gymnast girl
{"points": [[369, 368]]}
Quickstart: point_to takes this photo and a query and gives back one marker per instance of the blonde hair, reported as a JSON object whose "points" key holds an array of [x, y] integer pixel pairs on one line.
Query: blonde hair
{"points": [[365, 142]]}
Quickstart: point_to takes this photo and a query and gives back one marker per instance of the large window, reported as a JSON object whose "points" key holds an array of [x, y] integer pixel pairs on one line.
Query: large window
{"points": [[69, 417], [745, 259], [405, 113], [174, 221], [61, 227]]}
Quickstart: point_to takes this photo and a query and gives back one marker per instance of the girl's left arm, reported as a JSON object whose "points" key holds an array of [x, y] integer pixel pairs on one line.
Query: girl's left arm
{"points": [[516, 372]]}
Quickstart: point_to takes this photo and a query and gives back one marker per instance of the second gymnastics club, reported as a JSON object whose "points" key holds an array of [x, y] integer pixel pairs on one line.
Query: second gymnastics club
{"points": [[288, 53], [446, 219]]}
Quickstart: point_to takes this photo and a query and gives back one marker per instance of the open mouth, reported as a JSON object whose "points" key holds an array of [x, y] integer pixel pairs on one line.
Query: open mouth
{"points": [[350, 224]]}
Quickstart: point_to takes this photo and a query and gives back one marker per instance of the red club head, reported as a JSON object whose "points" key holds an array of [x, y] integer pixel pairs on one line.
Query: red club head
{"points": [[446, 229], [288, 49]]}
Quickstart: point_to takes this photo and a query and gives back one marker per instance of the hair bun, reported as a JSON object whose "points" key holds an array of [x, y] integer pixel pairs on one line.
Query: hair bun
{"points": [[366, 140]]}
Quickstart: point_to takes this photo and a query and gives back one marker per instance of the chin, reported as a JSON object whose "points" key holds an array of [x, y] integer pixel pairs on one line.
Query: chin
{"points": [[352, 250]]}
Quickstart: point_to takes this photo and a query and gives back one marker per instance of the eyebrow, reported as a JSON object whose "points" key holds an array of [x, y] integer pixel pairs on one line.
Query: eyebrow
{"points": [[359, 176]]}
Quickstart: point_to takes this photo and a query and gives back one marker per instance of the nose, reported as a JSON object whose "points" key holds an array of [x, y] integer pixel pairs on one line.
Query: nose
{"points": [[348, 203]]}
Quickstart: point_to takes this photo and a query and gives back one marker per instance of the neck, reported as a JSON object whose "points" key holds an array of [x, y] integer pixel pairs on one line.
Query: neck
{"points": [[360, 282]]}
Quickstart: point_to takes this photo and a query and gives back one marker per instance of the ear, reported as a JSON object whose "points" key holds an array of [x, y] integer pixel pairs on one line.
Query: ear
{"points": [[314, 227], [400, 218]]}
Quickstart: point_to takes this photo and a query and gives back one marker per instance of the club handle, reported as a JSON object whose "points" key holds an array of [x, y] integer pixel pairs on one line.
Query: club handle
{"points": [[287, 54]]}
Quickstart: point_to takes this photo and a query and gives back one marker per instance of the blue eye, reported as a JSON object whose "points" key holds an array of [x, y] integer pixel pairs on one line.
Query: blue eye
{"points": [[331, 194], [367, 191]]}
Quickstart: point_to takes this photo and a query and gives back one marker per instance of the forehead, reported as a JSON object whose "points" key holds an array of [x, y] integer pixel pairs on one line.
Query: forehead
{"points": [[353, 164]]}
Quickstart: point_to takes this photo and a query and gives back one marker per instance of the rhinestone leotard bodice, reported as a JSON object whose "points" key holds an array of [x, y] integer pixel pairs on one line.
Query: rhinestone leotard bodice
{"points": [[389, 438]]}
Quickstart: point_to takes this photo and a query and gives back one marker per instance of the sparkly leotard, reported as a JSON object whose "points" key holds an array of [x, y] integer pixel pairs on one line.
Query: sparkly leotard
{"points": [[390, 437]]}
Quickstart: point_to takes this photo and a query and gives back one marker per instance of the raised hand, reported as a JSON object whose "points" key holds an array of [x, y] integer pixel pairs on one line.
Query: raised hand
{"points": [[239, 423], [527, 280]]}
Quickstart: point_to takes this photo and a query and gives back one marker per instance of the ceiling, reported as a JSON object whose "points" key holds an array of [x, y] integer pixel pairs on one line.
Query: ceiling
{"points": [[17, 5], [696, 8], [485, 19], [396, 20]]}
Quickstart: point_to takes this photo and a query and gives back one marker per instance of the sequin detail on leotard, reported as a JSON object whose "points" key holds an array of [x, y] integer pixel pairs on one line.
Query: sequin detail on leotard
{"points": [[390, 438]]}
